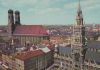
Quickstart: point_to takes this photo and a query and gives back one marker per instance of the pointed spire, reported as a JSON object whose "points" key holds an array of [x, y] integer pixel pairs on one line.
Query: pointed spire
{"points": [[79, 17], [79, 7]]}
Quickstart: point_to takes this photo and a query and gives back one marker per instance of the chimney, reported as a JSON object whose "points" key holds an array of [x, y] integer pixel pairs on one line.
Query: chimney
{"points": [[10, 22], [17, 17]]}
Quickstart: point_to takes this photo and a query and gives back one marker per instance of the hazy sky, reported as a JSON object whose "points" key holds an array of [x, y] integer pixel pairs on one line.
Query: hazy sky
{"points": [[50, 11]]}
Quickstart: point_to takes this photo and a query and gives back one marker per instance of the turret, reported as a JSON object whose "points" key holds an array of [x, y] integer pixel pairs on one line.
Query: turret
{"points": [[10, 22], [17, 18]]}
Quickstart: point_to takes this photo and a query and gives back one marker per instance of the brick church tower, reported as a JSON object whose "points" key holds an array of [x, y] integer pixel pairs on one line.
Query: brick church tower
{"points": [[10, 22], [17, 18]]}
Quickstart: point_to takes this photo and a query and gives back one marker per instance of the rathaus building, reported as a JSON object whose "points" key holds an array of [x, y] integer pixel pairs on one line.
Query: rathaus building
{"points": [[80, 54]]}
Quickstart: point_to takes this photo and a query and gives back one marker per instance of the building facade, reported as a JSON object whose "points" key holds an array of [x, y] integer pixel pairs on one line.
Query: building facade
{"points": [[36, 58], [78, 43], [24, 33], [63, 59], [80, 54]]}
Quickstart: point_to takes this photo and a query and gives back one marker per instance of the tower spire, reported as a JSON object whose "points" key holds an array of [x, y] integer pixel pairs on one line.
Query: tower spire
{"points": [[79, 16], [79, 6], [78, 46]]}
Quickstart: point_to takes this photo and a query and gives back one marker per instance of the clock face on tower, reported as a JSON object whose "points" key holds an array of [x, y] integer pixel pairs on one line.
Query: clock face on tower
{"points": [[78, 22], [77, 40]]}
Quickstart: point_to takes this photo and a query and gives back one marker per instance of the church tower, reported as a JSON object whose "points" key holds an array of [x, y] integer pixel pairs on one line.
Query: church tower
{"points": [[17, 17], [79, 16], [78, 46], [10, 22]]}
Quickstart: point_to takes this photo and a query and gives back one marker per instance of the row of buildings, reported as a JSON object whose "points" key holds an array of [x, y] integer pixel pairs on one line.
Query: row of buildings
{"points": [[22, 47], [80, 54], [33, 57], [63, 56]]}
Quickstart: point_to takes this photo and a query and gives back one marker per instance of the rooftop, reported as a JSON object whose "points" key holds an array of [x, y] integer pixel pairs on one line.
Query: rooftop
{"points": [[29, 54], [34, 30]]}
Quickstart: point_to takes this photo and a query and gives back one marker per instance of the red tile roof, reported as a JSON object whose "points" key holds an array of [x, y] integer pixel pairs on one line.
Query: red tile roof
{"points": [[29, 54], [45, 42], [34, 30]]}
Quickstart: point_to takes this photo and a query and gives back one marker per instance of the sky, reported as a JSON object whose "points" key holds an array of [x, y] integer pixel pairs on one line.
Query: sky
{"points": [[50, 12]]}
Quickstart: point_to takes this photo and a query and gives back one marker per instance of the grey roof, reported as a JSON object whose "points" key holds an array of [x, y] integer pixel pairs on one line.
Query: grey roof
{"points": [[90, 55], [64, 50], [94, 44], [93, 56]]}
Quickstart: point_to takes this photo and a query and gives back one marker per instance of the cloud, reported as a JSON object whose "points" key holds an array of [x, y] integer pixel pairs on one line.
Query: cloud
{"points": [[28, 3], [17, 3], [86, 4], [49, 11], [31, 6], [92, 5], [39, 10]]}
